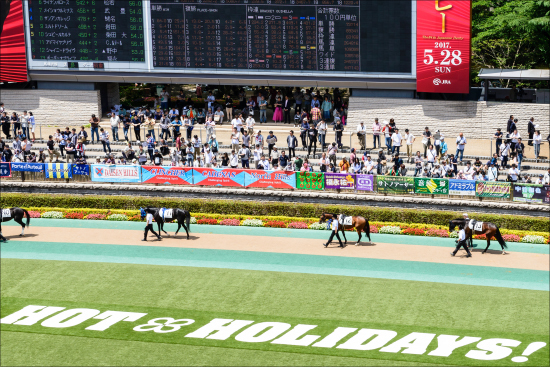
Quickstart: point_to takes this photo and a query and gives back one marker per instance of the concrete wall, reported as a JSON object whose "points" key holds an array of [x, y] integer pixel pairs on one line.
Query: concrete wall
{"points": [[474, 119], [54, 107]]}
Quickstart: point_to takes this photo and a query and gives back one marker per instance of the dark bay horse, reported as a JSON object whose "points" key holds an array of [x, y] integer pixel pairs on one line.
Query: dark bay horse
{"points": [[181, 215], [359, 223], [16, 214], [488, 229]]}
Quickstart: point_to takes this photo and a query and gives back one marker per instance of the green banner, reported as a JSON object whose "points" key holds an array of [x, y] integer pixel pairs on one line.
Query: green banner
{"points": [[310, 181], [395, 185], [426, 185], [493, 189]]}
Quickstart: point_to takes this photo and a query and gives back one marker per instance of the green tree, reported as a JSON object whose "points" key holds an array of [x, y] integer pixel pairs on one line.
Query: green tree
{"points": [[510, 34]]}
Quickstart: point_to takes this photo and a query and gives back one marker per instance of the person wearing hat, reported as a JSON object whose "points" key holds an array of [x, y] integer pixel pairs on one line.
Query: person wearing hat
{"points": [[492, 172], [461, 241], [362, 135], [213, 143], [540, 180], [442, 147]]}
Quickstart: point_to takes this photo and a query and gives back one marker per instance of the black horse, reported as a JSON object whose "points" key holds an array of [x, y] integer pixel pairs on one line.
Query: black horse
{"points": [[488, 229], [16, 214], [182, 216]]}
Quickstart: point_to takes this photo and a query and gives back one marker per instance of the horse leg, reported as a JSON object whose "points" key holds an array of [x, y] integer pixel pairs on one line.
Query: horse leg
{"points": [[488, 244], [2, 238], [343, 230], [359, 240], [186, 231], [179, 226], [22, 225]]}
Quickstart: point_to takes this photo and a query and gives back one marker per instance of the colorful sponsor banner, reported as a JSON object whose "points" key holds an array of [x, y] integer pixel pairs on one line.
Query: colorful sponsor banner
{"points": [[270, 179], [364, 182], [58, 170], [27, 167], [81, 169], [336, 181], [395, 185], [462, 187], [434, 186], [114, 173], [310, 181], [493, 189], [5, 169], [167, 175], [529, 193], [443, 46], [218, 177], [13, 60]]}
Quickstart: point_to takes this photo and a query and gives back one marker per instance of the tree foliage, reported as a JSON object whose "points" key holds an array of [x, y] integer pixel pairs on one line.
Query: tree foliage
{"points": [[510, 34]]}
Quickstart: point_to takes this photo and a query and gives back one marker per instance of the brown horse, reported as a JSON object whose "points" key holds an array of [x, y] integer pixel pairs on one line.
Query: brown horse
{"points": [[359, 223], [488, 229]]}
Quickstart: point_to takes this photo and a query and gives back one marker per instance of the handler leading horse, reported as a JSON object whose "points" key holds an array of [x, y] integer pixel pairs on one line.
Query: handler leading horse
{"points": [[359, 223], [16, 214], [488, 229], [181, 215]]}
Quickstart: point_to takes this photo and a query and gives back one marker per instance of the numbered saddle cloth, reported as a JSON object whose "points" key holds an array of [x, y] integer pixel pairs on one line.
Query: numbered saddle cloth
{"points": [[346, 221], [475, 225], [6, 213], [166, 213]]}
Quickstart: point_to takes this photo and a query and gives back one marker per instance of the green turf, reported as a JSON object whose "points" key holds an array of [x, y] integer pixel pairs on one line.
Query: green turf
{"points": [[204, 294]]}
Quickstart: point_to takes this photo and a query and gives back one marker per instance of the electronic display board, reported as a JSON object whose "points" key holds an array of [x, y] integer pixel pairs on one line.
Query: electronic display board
{"points": [[293, 37]]}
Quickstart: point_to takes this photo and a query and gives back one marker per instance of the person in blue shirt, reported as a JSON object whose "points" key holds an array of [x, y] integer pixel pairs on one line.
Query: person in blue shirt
{"points": [[176, 124], [461, 242], [136, 123]]}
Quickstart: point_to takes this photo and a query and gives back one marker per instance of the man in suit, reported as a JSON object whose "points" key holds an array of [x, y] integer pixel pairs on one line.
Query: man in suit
{"points": [[286, 109], [509, 126], [531, 130]]}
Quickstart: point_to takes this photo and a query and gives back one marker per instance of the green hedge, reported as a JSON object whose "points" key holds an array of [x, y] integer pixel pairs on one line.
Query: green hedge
{"points": [[513, 222]]}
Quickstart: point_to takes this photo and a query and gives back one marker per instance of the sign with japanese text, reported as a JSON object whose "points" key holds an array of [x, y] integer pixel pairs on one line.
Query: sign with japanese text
{"points": [[337, 181], [443, 46], [5, 169], [310, 181], [435, 186], [218, 177], [529, 193], [167, 175], [270, 179], [395, 185], [493, 189], [462, 187], [81, 169], [364, 182]]}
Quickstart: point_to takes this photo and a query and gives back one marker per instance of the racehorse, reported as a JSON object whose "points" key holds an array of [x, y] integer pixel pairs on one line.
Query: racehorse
{"points": [[15, 214], [488, 229], [359, 223], [181, 215]]}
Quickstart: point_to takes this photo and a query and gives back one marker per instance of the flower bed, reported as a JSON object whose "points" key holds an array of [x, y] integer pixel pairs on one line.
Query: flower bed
{"points": [[373, 229], [318, 226], [74, 215], [207, 221], [413, 231], [275, 224], [95, 217], [252, 223], [511, 238], [390, 230], [118, 217], [533, 239], [52, 215], [34, 214], [297, 225], [433, 232], [193, 220], [230, 222]]}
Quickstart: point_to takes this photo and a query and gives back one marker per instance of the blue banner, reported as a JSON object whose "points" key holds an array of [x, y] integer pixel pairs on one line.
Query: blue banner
{"points": [[58, 170], [5, 169], [81, 169], [115, 173], [27, 167], [462, 187]]}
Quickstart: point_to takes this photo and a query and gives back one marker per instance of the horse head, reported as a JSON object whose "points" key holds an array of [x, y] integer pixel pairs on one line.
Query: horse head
{"points": [[323, 218]]}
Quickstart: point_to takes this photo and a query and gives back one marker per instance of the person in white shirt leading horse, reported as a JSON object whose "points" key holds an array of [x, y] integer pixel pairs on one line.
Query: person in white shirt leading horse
{"points": [[334, 227], [461, 242], [149, 225]]}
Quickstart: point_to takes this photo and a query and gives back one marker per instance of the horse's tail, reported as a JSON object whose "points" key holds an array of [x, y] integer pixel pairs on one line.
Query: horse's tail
{"points": [[367, 229], [28, 217], [499, 238], [188, 220]]}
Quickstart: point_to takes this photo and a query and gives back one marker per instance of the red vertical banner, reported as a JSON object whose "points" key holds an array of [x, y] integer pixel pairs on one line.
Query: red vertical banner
{"points": [[13, 62], [443, 46]]}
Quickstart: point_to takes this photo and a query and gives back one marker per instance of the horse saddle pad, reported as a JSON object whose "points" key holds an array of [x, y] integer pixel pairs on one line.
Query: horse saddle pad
{"points": [[166, 213], [6, 213], [476, 226], [346, 221]]}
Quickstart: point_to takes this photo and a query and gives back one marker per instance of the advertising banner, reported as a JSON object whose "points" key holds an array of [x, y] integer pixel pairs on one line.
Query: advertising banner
{"points": [[364, 182], [336, 181], [443, 46], [13, 61], [114, 173], [270, 179], [493, 189], [27, 167], [218, 177], [529, 193], [167, 175], [310, 181], [462, 187], [58, 170], [395, 185], [435, 186], [5, 169], [81, 169]]}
